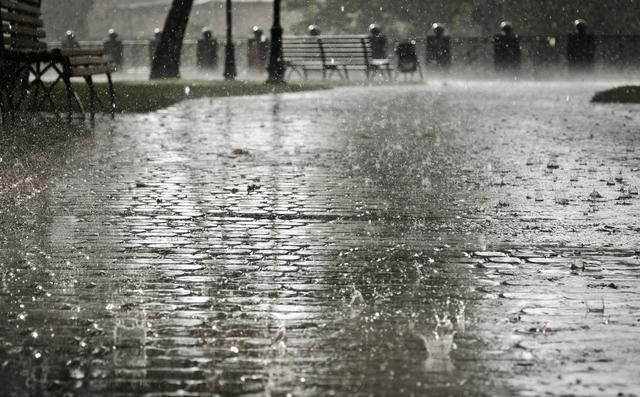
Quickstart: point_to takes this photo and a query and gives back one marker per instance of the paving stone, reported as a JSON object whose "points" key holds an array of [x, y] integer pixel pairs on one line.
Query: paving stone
{"points": [[381, 211]]}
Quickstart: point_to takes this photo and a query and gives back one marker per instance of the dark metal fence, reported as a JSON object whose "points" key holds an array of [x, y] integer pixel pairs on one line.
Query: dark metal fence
{"points": [[137, 55], [542, 56]]}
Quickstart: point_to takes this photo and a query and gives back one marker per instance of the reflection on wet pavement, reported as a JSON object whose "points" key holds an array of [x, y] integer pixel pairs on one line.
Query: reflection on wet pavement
{"points": [[441, 239]]}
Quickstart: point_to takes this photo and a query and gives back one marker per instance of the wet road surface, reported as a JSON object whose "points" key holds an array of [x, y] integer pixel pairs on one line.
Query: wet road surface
{"points": [[441, 240]]}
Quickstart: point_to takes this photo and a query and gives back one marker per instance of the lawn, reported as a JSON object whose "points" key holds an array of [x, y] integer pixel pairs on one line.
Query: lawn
{"points": [[20, 139], [148, 96], [626, 94]]}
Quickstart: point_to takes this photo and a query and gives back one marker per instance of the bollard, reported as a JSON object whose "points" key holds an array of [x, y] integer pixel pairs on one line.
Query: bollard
{"points": [[207, 51], [407, 56], [313, 30], [258, 50], [439, 48], [378, 42], [506, 47], [153, 44], [114, 49], [70, 40], [581, 48], [543, 53]]}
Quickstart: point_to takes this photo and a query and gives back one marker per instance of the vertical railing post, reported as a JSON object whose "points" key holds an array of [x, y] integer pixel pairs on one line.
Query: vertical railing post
{"points": [[230, 71], [276, 66]]}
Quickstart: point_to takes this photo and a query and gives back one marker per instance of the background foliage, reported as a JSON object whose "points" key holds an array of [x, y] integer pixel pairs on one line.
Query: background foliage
{"points": [[467, 17]]}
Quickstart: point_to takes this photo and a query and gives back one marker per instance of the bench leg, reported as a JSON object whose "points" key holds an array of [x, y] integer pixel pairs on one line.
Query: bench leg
{"points": [[67, 83], [10, 104], [92, 97], [72, 96], [36, 90], [112, 97], [20, 90], [3, 106], [46, 96]]}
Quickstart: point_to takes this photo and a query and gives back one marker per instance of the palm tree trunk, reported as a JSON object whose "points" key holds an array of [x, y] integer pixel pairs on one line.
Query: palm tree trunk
{"points": [[166, 63]]}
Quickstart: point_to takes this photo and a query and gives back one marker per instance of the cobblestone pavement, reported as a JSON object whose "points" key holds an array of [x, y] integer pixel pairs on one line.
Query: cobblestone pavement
{"points": [[440, 240]]}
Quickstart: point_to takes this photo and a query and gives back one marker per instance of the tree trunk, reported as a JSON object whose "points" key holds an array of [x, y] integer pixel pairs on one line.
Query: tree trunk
{"points": [[166, 63]]}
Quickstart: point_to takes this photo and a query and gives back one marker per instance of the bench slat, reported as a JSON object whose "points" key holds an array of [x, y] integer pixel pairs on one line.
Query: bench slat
{"points": [[327, 37], [314, 51], [80, 71], [88, 60], [75, 52], [17, 42], [20, 6], [23, 31], [33, 3], [342, 51], [21, 18]]}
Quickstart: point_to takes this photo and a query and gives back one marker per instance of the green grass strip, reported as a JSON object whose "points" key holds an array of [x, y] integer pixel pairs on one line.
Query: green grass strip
{"points": [[626, 94], [149, 96], [24, 138]]}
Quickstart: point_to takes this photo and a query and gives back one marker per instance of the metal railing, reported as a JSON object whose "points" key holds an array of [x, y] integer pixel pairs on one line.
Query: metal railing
{"points": [[543, 53], [137, 55], [470, 55]]}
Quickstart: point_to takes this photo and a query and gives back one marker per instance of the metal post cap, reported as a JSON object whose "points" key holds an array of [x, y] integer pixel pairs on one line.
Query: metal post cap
{"points": [[506, 26], [313, 30], [580, 25], [438, 28]]}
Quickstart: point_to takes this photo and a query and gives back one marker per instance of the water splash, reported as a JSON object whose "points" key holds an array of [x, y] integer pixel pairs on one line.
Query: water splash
{"points": [[357, 299], [279, 341], [440, 342]]}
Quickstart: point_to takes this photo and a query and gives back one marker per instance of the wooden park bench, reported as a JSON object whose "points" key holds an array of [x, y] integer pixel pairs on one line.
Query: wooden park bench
{"points": [[25, 59], [332, 55]]}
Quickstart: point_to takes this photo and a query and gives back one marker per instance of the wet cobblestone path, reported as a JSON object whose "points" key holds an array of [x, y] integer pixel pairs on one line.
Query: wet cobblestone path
{"points": [[403, 241]]}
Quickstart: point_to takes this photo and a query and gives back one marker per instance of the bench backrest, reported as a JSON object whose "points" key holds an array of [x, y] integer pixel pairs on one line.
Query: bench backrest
{"points": [[302, 49], [21, 28], [347, 50], [328, 50]]}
